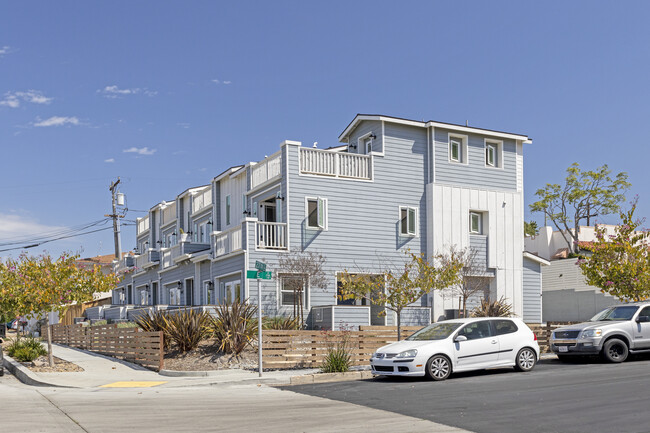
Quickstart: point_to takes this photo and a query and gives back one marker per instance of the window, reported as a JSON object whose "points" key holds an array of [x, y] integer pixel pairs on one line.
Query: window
{"points": [[367, 144], [490, 154], [407, 220], [504, 327], [244, 205], [233, 292], [476, 223], [476, 330], [316, 209], [292, 291], [254, 209], [227, 210], [454, 149]]}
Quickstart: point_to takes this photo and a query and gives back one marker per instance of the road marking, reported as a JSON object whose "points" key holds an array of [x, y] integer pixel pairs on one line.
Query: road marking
{"points": [[132, 384]]}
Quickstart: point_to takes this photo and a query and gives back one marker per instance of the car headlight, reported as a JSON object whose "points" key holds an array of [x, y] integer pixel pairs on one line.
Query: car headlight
{"points": [[589, 333], [407, 354]]}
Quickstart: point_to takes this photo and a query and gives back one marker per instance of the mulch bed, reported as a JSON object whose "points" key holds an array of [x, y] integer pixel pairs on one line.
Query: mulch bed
{"points": [[207, 357], [40, 365]]}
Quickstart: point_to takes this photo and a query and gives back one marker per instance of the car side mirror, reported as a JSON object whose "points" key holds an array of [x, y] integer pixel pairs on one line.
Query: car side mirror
{"points": [[642, 319], [460, 338]]}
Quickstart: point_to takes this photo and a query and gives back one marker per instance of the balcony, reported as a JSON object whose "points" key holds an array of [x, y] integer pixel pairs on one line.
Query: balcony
{"points": [[271, 236], [266, 170], [202, 200], [168, 214], [148, 259], [227, 241], [180, 252], [142, 225], [335, 164]]}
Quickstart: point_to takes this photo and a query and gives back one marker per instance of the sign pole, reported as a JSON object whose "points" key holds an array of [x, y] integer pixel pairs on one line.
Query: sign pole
{"points": [[259, 325]]}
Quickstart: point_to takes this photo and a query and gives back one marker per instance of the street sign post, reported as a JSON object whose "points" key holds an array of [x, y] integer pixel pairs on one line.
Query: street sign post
{"points": [[260, 273], [260, 266], [254, 275]]}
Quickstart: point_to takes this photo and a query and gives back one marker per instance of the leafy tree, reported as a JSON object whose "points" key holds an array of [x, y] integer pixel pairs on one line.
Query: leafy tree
{"points": [[620, 264], [584, 195], [397, 288], [37, 285], [298, 270], [530, 228]]}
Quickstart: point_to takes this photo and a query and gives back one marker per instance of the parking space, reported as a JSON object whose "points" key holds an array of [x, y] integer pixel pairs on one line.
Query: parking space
{"points": [[581, 396]]}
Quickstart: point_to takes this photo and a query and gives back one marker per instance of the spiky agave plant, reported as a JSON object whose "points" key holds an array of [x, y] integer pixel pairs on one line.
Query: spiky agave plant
{"points": [[156, 321], [498, 308], [280, 323], [234, 326], [187, 328]]}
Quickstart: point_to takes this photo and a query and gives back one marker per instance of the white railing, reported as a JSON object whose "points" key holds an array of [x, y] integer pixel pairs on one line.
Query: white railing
{"points": [[272, 235], [203, 200], [266, 170], [169, 213], [335, 164], [143, 224], [142, 260], [228, 241]]}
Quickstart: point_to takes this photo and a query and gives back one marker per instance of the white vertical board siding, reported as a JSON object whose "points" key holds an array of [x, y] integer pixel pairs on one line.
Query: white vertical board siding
{"points": [[451, 207], [234, 187], [520, 166]]}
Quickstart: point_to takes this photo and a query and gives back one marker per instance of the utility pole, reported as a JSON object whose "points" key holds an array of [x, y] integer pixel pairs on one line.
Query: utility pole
{"points": [[116, 219]]}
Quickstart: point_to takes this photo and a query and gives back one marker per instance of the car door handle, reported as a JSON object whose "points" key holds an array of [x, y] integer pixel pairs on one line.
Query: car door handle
{"points": [[493, 341]]}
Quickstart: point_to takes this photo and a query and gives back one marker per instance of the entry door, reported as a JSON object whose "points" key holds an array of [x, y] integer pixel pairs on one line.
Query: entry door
{"points": [[233, 292], [154, 293], [642, 330], [481, 348], [189, 292]]}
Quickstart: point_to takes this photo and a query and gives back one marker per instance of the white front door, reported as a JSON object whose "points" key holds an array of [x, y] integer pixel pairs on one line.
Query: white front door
{"points": [[233, 292], [481, 349]]}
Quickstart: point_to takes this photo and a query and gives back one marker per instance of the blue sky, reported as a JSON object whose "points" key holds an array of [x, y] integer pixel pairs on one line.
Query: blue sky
{"points": [[168, 94]]}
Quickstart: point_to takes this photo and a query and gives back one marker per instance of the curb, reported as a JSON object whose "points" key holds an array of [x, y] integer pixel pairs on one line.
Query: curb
{"points": [[331, 377], [182, 373], [25, 375]]}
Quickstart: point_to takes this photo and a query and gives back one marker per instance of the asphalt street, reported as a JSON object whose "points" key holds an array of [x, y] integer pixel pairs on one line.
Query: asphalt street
{"points": [[585, 396]]}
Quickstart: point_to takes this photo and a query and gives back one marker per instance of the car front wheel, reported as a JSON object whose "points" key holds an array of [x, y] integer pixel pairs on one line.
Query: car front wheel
{"points": [[526, 359], [615, 350], [438, 367]]}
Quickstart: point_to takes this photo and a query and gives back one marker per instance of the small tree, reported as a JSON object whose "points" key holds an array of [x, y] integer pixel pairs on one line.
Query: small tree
{"points": [[474, 278], [620, 264], [400, 287], [298, 270], [530, 228], [41, 284], [584, 195]]}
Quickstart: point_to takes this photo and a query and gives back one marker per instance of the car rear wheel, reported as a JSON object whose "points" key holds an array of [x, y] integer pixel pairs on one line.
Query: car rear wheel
{"points": [[615, 350], [526, 359], [438, 367]]}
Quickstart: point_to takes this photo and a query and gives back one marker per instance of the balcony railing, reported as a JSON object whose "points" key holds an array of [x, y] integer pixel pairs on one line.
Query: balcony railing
{"points": [[265, 170], [143, 224], [271, 236], [147, 259], [202, 200], [228, 241], [335, 164], [168, 214]]}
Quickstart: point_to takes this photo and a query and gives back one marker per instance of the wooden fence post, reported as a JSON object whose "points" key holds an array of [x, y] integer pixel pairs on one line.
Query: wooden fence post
{"points": [[162, 352]]}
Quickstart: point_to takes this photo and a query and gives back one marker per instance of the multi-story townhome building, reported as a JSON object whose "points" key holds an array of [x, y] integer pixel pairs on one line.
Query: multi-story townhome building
{"points": [[393, 185]]}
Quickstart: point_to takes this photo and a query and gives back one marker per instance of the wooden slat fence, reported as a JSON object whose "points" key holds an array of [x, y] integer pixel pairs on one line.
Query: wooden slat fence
{"points": [[130, 344], [543, 332], [290, 349]]}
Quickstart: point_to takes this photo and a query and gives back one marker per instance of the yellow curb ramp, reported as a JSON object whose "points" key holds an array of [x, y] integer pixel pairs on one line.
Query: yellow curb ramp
{"points": [[132, 384]]}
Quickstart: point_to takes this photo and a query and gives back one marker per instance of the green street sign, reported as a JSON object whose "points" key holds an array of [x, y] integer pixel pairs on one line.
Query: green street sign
{"points": [[254, 275], [260, 266]]}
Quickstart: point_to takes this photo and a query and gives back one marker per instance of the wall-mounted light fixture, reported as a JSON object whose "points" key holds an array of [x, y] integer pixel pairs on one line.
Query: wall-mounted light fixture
{"points": [[352, 146], [180, 285], [279, 196], [373, 136], [247, 212]]}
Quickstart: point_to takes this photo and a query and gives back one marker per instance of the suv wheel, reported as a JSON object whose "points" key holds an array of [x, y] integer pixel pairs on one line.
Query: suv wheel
{"points": [[615, 350], [438, 367], [526, 359]]}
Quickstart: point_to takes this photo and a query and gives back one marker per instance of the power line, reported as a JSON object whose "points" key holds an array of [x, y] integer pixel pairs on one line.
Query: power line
{"points": [[55, 239], [43, 236]]}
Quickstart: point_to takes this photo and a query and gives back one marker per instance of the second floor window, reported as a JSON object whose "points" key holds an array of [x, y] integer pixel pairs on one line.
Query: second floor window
{"points": [[408, 221], [316, 213], [227, 210], [455, 146], [491, 155], [476, 223]]}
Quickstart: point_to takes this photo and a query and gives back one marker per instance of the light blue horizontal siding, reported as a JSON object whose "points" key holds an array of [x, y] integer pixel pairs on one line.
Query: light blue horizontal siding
{"points": [[475, 173], [348, 317], [412, 316], [532, 290], [479, 246]]}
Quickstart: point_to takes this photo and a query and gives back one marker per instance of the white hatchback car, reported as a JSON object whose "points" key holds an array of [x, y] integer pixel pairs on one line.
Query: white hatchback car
{"points": [[459, 345]]}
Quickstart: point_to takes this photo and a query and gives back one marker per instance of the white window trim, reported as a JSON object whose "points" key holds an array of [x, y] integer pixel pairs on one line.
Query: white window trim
{"points": [[464, 157], [417, 221], [325, 212], [480, 223], [278, 295], [498, 158], [361, 142]]}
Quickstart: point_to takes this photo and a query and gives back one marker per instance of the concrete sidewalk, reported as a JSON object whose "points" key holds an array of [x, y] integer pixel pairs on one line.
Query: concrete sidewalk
{"points": [[100, 371]]}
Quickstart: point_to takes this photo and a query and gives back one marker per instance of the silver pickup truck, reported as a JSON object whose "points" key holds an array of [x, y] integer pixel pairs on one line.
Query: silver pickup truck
{"points": [[613, 333]]}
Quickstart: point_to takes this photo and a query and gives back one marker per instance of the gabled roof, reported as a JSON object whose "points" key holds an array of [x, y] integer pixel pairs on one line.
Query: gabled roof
{"points": [[230, 170], [461, 128], [536, 258]]}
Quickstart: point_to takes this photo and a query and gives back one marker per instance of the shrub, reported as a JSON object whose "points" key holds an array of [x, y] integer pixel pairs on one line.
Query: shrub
{"points": [[26, 349], [99, 323], [498, 308], [155, 321], [187, 328], [127, 325], [280, 323], [338, 358], [234, 326]]}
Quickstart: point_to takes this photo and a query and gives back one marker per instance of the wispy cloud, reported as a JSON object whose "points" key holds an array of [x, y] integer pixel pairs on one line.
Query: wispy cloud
{"points": [[113, 92], [109, 160], [5, 50], [12, 99], [18, 225], [183, 125], [57, 121], [217, 81], [140, 151]]}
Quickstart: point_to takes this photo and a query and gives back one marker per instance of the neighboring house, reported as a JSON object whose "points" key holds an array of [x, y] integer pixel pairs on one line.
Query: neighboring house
{"points": [[565, 294], [394, 185]]}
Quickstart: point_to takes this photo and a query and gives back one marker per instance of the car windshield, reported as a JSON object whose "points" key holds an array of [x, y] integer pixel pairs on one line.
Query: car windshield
{"points": [[615, 313], [435, 331]]}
